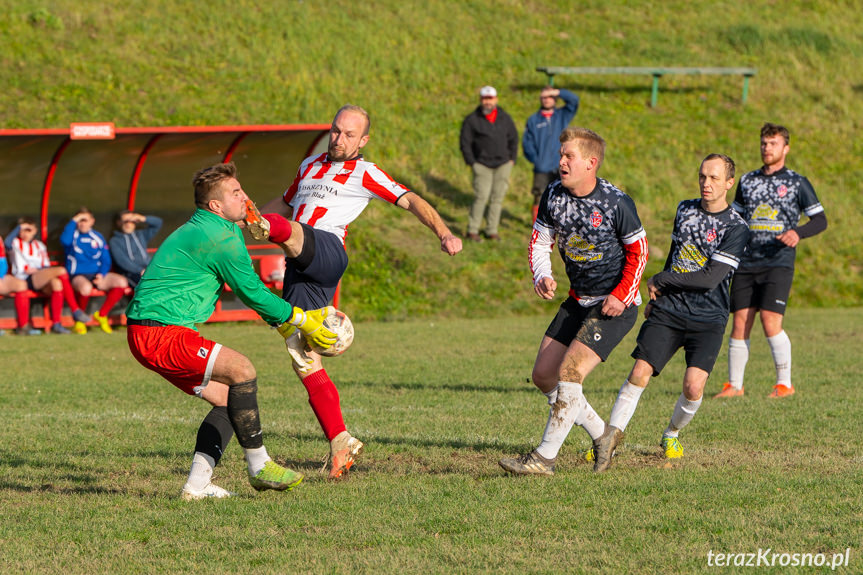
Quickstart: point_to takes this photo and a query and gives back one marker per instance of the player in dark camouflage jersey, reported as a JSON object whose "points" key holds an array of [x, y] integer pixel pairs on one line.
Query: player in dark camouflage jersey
{"points": [[688, 307], [604, 248], [771, 199]]}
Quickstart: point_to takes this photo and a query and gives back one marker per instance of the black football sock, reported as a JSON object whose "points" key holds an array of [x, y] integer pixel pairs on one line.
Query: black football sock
{"points": [[215, 433], [243, 412]]}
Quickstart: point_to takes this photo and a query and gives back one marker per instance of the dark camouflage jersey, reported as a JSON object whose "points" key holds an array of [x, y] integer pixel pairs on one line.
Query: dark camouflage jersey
{"points": [[772, 204], [595, 234], [699, 237]]}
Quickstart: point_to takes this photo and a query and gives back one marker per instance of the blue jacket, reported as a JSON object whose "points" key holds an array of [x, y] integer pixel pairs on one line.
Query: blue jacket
{"points": [[541, 142], [129, 251], [85, 253]]}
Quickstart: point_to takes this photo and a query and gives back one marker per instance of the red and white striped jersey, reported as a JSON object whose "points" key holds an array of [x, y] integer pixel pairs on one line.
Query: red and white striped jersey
{"points": [[330, 195], [28, 257]]}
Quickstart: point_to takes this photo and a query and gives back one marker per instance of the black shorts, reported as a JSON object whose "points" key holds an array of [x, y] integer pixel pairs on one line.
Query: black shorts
{"points": [[133, 278], [29, 282], [311, 279], [662, 334], [587, 325], [89, 277], [541, 180], [761, 288]]}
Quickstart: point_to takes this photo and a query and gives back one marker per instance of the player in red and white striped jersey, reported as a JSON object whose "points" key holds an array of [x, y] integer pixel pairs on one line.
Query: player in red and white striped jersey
{"points": [[329, 192], [29, 261]]}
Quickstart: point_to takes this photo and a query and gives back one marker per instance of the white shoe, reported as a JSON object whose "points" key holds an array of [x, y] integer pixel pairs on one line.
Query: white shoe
{"points": [[210, 490], [344, 451]]}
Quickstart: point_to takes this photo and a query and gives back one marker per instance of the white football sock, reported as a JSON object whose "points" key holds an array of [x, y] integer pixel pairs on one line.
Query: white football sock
{"points": [[590, 421], [684, 411], [624, 406], [780, 347], [552, 395], [256, 459], [738, 355], [569, 407], [201, 472]]}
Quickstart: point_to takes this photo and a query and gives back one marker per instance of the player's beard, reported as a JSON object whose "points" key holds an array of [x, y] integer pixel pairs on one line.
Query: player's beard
{"points": [[336, 154]]}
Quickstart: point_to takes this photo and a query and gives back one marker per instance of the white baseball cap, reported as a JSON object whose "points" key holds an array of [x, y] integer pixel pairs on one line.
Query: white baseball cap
{"points": [[487, 92]]}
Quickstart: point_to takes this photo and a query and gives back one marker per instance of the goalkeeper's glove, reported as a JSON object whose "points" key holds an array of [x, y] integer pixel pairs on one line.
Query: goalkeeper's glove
{"points": [[298, 350], [310, 324]]}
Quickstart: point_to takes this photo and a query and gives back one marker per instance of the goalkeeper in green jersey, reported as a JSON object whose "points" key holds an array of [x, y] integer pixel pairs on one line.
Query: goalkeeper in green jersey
{"points": [[179, 289]]}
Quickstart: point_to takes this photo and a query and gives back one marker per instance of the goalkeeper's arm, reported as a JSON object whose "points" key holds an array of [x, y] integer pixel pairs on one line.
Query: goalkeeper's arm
{"points": [[310, 323]]}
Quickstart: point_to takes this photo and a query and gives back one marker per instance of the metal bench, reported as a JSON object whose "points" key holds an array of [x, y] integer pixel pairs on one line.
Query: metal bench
{"points": [[656, 72]]}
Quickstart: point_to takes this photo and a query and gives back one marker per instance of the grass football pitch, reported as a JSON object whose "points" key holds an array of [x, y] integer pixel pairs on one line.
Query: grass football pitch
{"points": [[94, 450]]}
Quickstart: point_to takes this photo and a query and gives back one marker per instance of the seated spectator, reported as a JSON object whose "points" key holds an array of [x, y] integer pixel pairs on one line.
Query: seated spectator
{"points": [[88, 261], [9, 284], [129, 245], [28, 258]]}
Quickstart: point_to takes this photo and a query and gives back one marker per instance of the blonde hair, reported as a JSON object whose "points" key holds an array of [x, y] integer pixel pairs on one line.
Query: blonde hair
{"points": [[358, 110], [588, 142]]}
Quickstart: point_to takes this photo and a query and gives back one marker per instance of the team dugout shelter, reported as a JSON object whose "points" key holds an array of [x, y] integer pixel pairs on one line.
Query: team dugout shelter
{"points": [[50, 174]]}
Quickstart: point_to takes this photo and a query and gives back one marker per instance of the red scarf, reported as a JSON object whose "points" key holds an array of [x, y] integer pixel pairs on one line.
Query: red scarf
{"points": [[491, 116]]}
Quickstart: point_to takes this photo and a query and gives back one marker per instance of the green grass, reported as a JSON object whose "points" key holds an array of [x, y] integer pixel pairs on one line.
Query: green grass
{"points": [[93, 455], [416, 67]]}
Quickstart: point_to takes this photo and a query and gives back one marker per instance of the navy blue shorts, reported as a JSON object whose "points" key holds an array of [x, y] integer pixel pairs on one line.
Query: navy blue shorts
{"points": [[90, 277], [313, 286]]}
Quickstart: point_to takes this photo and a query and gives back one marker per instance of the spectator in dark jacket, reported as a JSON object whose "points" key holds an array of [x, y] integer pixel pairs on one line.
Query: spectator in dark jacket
{"points": [[489, 144], [128, 244], [541, 139]]}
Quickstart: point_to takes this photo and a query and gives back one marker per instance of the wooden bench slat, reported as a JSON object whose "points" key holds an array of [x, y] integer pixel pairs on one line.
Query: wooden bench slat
{"points": [[660, 70], [655, 71]]}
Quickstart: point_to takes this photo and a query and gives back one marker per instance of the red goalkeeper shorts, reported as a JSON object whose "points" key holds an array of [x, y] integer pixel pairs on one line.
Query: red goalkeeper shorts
{"points": [[179, 354]]}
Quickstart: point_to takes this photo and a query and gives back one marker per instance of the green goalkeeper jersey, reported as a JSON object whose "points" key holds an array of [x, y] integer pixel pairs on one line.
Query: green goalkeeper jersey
{"points": [[184, 280]]}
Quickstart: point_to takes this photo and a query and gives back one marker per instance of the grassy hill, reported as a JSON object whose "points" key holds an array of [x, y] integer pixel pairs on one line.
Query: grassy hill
{"points": [[416, 67]]}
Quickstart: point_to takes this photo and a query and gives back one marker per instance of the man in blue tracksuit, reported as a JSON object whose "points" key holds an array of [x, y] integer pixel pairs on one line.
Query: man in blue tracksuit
{"points": [[88, 262], [540, 141]]}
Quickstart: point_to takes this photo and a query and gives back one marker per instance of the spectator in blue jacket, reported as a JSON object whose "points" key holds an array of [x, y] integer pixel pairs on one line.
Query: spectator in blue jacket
{"points": [[88, 262], [541, 142], [128, 245]]}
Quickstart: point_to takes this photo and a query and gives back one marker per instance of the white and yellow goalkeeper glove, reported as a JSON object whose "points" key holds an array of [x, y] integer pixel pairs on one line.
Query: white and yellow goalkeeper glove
{"points": [[311, 325]]}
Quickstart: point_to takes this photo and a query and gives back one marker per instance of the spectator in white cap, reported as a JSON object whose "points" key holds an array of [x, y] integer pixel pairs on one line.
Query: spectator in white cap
{"points": [[489, 144]]}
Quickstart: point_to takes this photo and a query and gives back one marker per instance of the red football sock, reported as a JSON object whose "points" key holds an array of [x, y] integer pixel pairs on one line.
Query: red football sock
{"points": [[324, 399], [111, 298], [56, 306], [83, 300], [280, 228], [69, 293], [22, 309]]}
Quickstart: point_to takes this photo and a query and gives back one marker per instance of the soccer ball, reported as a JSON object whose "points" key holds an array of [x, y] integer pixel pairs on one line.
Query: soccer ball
{"points": [[340, 324]]}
